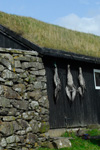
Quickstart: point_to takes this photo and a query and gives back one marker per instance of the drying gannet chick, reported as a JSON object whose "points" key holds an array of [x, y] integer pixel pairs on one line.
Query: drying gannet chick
{"points": [[80, 91], [74, 91], [68, 92], [57, 83], [69, 77], [81, 81], [70, 88]]}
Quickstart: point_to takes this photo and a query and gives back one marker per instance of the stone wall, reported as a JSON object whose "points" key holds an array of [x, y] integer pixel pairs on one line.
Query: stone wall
{"points": [[24, 114]]}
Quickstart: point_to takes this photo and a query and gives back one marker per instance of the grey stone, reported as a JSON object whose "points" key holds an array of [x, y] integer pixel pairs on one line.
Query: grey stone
{"points": [[21, 132], [1, 89], [10, 83], [29, 129], [26, 96], [3, 142], [44, 111], [44, 127], [37, 85], [4, 102], [33, 69], [35, 94], [12, 111], [31, 138], [18, 70], [17, 64], [17, 138], [34, 125], [6, 128], [42, 79], [47, 144], [22, 58], [32, 78], [44, 85], [6, 63], [2, 80], [19, 88], [43, 101], [19, 80], [35, 72], [26, 65], [34, 105], [1, 68], [39, 65], [37, 116], [42, 72], [11, 146], [30, 87], [9, 93], [8, 56], [23, 105], [16, 126], [4, 111], [22, 138], [33, 58], [28, 115], [61, 143], [9, 118], [45, 117], [44, 92], [24, 74], [11, 139], [24, 124], [7, 74], [39, 60], [32, 53]]}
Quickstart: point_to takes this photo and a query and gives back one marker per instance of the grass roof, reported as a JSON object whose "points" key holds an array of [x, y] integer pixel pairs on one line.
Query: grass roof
{"points": [[52, 36]]}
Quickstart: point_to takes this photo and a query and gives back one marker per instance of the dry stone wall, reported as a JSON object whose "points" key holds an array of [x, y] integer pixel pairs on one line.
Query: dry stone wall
{"points": [[24, 106]]}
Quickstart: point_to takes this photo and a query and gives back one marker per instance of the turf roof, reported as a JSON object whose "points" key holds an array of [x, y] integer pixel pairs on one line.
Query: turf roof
{"points": [[52, 36]]}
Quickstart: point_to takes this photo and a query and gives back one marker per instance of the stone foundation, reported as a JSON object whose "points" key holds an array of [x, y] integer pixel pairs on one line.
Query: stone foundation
{"points": [[24, 106]]}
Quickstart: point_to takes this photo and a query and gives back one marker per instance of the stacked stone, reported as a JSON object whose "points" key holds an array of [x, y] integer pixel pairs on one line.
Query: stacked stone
{"points": [[24, 114]]}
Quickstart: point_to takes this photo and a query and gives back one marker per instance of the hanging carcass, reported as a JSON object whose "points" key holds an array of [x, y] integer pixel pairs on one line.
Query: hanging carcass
{"points": [[57, 83], [82, 86], [70, 88]]}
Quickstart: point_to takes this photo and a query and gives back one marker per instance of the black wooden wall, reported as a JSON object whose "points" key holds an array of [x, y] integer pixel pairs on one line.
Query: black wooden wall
{"points": [[9, 42], [82, 111]]}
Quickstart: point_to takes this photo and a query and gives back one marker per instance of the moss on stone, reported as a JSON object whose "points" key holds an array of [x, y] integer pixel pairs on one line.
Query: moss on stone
{"points": [[44, 127]]}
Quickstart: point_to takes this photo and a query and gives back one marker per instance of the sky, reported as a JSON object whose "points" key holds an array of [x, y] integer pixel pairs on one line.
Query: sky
{"points": [[78, 15]]}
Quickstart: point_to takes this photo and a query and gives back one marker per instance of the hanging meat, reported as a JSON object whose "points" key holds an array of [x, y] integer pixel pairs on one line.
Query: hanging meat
{"points": [[82, 86], [57, 83], [70, 88]]}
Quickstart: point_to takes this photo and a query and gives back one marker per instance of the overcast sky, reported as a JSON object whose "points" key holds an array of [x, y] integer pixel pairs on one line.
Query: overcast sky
{"points": [[81, 15]]}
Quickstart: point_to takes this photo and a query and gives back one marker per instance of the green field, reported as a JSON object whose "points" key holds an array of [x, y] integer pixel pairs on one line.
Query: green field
{"points": [[52, 36]]}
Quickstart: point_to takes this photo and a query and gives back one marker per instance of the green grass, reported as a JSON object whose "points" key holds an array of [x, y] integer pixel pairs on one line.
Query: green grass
{"points": [[81, 144], [52, 36]]}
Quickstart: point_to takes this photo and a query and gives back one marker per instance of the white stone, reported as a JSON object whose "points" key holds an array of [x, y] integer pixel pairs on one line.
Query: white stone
{"points": [[28, 129], [11, 139], [34, 104], [62, 143], [17, 139], [3, 142]]}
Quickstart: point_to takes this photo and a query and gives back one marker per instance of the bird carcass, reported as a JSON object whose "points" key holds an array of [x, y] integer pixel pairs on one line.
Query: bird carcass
{"points": [[57, 83], [70, 88], [82, 86]]}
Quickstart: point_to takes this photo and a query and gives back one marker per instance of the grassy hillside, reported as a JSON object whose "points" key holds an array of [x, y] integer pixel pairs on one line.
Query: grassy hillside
{"points": [[52, 36]]}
